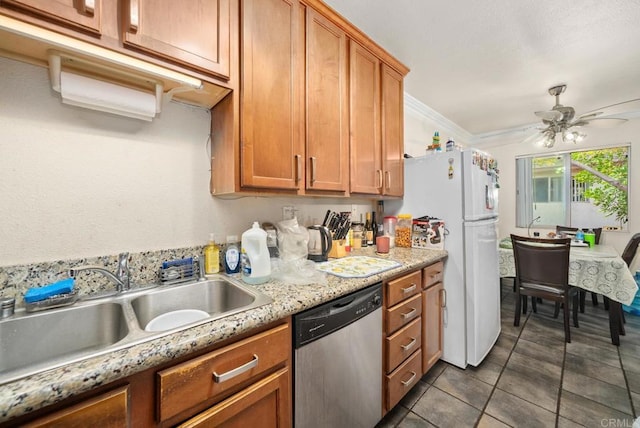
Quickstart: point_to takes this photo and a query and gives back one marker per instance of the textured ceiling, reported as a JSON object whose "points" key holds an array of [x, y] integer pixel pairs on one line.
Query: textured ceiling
{"points": [[487, 65]]}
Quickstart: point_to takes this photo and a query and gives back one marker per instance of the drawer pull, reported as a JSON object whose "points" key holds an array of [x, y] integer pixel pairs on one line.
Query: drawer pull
{"points": [[298, 168], [313, 168], [443, 300], [409, 289], [89, 6], [134, 15], [408, 382], [235, 372], [409, 314], [409, 345]]}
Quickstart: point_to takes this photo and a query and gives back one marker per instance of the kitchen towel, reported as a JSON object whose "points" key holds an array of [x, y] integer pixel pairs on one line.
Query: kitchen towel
{"points": [[95, 94]]}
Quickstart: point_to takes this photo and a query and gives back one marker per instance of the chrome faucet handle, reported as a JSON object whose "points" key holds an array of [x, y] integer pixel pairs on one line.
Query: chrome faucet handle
{"points": [[123, 270]]}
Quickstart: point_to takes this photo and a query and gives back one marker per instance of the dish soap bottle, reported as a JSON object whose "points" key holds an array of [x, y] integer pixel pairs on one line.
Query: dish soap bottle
{"points": [[211, 256], [580, 235], [254, 256], [232, 255]]}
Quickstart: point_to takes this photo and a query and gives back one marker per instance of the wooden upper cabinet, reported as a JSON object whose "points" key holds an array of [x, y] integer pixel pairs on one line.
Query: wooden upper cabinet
{"points": [[83, 15], [366, 164], [272, 150], [193, 33], [392, 132], [327, 105]]}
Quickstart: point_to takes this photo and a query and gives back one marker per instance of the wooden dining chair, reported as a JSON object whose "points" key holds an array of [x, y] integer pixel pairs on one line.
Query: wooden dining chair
{"points": [[542, 270], [630, 250], [572, 231]]}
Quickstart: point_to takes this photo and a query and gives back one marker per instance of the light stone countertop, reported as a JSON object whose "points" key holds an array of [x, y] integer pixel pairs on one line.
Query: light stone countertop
{"points": [[43, 389]]}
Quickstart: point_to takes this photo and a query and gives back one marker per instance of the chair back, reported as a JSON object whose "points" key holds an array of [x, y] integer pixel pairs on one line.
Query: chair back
{"points": [[571, 231], [542, 261], [630, 250]]}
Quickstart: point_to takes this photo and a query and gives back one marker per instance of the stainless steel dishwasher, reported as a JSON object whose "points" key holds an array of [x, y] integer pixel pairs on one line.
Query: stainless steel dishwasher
{"points": [[338, 362]]}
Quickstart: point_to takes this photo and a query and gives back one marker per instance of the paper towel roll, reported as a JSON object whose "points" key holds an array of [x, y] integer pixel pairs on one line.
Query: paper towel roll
{"points": [[95, 94]]}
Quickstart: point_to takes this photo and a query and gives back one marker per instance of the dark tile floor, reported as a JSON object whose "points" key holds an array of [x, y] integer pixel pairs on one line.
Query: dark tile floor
{"points": [[532, 378]]}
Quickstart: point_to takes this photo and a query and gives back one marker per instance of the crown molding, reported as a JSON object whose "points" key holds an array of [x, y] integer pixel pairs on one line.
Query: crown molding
{"points": [[414, 105]]}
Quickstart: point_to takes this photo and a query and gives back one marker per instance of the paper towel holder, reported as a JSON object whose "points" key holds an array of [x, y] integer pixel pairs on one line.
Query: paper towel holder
{"points": [[56, 58]]}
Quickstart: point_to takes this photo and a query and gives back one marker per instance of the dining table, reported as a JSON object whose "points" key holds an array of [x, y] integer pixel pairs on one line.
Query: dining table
{"points": [[599, 269]]}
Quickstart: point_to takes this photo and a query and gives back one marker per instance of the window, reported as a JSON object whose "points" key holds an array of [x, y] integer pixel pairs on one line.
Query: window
{"points": [[580, 189]]}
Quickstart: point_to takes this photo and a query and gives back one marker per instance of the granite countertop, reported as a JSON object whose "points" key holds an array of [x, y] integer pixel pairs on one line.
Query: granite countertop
{"points": [[34, 392]]}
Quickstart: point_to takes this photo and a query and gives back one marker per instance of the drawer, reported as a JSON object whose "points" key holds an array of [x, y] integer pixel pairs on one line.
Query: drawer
{"points": [[402, 379], [403, 287], [195, 381], [403, 343], [403, 313], [432, 274]]}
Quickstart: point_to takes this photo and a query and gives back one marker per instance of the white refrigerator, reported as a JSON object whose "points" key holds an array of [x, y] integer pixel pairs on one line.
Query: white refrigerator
{"points": [[460, 187]]}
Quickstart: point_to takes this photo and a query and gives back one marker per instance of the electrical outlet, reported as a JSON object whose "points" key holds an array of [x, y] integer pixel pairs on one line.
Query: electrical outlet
{"points": [[289, 212], [354, 211]]}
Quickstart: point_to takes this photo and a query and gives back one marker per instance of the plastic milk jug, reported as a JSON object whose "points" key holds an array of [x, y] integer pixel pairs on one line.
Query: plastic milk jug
{"points": [[256, 264]]}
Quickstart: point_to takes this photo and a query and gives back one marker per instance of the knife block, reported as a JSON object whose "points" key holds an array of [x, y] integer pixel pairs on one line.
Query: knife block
{"points": [[337, 249]]}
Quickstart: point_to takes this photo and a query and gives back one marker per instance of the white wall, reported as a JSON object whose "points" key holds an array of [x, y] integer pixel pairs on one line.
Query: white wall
{"points": [[506, 148], [76, 183]]}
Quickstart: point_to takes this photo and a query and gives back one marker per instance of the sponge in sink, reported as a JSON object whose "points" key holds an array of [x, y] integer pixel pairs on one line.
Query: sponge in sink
{"points": [[41, 293]]}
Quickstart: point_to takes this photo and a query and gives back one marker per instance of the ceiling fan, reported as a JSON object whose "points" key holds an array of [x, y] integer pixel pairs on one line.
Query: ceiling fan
{"points": [[561, 124]]}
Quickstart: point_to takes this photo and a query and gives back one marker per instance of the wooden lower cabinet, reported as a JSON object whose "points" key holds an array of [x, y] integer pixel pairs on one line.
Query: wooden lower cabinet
{"points": [[241, 382], [185, 386], [402, 379], [264, 404], [433, 303], [432, 308], [403, 337], [108, 410]]}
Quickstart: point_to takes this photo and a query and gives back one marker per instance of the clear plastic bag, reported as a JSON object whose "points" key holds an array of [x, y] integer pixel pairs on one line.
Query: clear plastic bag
{"points": [[293, 240], [298, 272]]}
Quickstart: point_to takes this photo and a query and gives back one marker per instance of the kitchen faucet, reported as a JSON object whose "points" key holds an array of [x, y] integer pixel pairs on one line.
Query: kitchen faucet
{"points": [[120, 278]]}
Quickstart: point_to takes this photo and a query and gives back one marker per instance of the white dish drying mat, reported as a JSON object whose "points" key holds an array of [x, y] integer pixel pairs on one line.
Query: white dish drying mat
{"points": [[357, 266]]}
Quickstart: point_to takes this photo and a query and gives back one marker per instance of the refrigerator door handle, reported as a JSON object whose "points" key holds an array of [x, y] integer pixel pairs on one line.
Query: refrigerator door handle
{"points": [[488, 196]]}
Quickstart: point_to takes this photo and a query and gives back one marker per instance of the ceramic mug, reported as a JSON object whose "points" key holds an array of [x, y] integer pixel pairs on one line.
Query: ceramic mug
{"points": [[382, 244]]}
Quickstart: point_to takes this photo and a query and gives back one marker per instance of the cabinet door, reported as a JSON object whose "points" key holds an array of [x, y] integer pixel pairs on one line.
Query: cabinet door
{"points": [[194, 33], [106, 410], [270, 135], [327, 114], [81, 15], [432, 304], [266, 403], [366, 163], [392, 132]]}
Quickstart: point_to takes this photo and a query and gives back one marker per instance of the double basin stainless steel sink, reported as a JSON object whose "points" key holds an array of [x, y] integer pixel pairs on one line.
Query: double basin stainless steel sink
{"points": [[31, 343]]}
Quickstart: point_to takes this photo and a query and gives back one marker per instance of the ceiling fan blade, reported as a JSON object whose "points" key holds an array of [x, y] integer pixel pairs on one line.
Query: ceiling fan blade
{"points": [[589, 116], [552, 115], [580, 122], [606, 122]]}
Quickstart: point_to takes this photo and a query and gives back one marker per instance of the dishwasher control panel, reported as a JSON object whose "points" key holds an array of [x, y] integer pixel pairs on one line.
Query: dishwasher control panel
{"points": [[321, 320]]}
